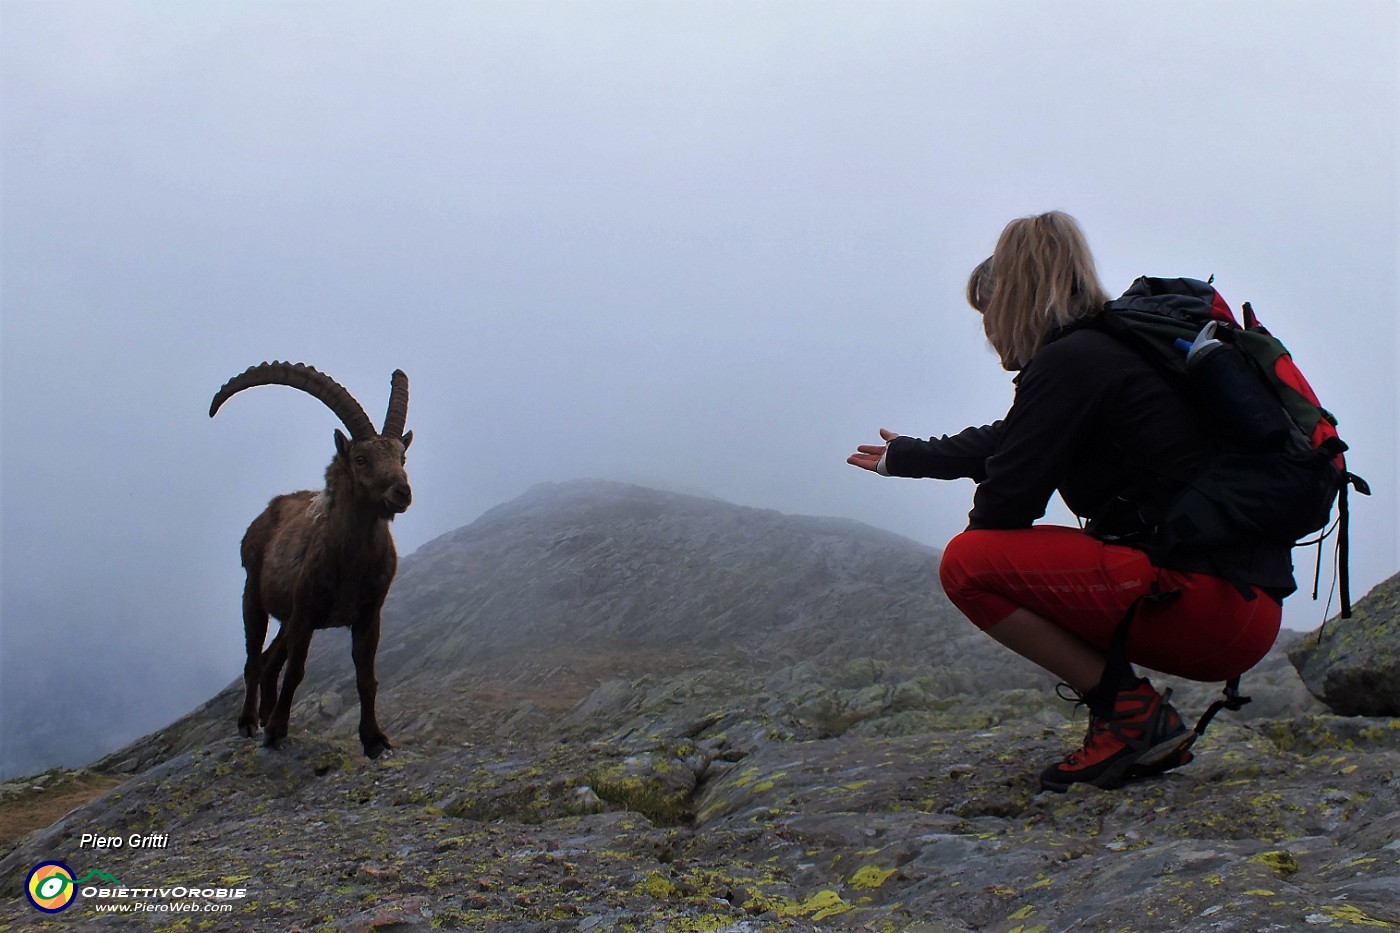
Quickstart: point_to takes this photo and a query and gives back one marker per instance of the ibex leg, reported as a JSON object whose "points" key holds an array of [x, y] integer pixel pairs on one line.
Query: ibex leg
{"points": [[364, 644], [272, 660], [254, 633], [297, 638]]}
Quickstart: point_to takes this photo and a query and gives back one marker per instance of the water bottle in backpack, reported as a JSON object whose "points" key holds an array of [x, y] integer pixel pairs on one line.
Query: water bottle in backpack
{"points": [[1232, 396]]}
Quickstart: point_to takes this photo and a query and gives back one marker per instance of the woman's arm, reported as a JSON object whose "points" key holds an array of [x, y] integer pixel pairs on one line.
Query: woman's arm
{"points": [[948, 457], [962, 455]]}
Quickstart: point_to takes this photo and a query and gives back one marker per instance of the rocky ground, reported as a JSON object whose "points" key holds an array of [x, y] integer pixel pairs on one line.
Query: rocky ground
{"points": [[728, 821], [622, 768]]}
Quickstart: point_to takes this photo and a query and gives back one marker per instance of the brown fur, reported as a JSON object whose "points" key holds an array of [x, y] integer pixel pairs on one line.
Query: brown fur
{"points": [[322, 560]]}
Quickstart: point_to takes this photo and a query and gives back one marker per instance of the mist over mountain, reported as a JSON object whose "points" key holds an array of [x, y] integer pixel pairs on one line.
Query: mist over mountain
{"points": [[68, 704]]}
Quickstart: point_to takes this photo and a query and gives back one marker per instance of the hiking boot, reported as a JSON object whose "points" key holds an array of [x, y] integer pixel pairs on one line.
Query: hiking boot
{"points": [[1143, 737]]}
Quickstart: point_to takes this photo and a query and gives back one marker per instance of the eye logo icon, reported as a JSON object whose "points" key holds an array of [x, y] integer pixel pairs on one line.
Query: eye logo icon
{"points": [[50, 887]]}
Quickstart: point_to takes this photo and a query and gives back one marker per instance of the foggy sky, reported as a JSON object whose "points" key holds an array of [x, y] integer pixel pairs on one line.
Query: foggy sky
{"points": [[705, 245]]}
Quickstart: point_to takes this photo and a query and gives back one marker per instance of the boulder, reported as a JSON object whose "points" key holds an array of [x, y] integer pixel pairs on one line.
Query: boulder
{"points": [[1353, 665]]}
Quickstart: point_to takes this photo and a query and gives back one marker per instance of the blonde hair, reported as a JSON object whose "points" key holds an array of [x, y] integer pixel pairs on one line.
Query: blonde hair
{"points": [[1041, 276]]}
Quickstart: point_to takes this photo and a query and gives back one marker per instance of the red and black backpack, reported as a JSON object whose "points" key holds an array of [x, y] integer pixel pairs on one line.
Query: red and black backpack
{"points": [[1278, 468]]}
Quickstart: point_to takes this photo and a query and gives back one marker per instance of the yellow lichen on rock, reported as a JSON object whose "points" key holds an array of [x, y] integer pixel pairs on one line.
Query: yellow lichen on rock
{"points": [[870, 876], [1348, 913], [1279, 860], [658, 886]]}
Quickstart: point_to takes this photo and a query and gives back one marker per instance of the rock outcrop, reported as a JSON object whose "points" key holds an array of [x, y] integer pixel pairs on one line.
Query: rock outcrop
{"points": [[1353, 665]]}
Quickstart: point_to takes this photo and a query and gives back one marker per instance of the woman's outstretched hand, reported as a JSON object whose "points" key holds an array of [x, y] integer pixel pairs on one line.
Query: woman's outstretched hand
{"points": [[867, 456]]}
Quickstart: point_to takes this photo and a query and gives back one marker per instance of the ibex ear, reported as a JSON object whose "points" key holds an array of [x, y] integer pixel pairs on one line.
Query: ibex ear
{"points": [[342, 444], [407, 439]]}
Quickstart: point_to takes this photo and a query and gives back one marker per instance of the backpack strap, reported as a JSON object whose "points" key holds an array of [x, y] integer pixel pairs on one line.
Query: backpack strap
{"points": [[1344, 549], [1104, 695], [1231, 701], [1349, 480]]}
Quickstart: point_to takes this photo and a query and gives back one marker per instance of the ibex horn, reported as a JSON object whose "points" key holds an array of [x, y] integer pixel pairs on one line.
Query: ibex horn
{"points": [[306, 378], [398, 405]]}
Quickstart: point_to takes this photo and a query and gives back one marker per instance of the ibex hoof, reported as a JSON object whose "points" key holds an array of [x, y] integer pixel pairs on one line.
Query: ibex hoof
{"points": [[272, 740], [247, 729], [382, 748]]}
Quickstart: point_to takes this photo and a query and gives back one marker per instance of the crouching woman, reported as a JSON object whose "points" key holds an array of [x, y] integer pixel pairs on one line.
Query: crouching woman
{"points": [[1096, 422]]}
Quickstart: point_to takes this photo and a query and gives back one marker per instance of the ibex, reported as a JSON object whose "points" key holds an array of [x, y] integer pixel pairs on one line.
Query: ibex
{"points": [[322, 559]]}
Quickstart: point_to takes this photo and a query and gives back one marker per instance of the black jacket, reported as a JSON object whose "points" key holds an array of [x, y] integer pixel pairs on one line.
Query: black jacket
{"points": [[1095, 421]]}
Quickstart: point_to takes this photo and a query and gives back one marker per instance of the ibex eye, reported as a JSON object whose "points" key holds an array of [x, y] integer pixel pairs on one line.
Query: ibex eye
{"points": [[361, 461]]}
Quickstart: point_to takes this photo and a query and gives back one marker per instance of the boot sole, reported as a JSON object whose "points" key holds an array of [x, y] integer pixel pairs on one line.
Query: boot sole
{"points": [[1140, 773], [1165, 749]]}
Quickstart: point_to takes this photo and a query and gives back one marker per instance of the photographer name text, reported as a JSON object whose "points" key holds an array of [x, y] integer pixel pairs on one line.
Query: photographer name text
{"points": [[134, 841]]}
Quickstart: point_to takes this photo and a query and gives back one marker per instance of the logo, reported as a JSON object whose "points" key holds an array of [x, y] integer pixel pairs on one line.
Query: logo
{"points": [[50, 887]]}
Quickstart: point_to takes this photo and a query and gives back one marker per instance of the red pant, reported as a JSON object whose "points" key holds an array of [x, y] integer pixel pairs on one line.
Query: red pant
{"points": [[1212, 632]]}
